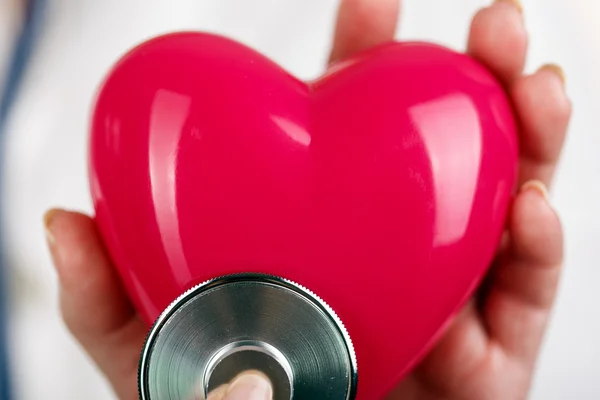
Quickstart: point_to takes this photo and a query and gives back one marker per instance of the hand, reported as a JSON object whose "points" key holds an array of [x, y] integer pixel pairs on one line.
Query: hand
{"points": [[489, 351]]}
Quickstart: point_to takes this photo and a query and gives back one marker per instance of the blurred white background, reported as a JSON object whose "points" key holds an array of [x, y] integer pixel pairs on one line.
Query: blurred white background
{"points": [[46, 158]]}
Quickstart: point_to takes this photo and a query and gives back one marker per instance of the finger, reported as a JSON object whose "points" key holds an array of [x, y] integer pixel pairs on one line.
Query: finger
{"points": [[218, 393], [251, 385], [544, 112], [524, 286], [499, 40], [93, 303], [362, 24]]}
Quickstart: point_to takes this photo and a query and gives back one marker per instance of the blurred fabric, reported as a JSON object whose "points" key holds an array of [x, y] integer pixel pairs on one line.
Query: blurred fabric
{"points": [[20, 20], [44, 155]]}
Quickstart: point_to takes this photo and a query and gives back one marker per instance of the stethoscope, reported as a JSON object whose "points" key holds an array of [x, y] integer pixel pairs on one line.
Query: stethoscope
{"points": [[19, 60]]}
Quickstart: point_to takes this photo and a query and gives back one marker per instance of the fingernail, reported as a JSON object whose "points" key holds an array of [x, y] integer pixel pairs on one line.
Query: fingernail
{"points": [[536, 186], [249, 386], [48, 218], [516, 3], [557, 70]]}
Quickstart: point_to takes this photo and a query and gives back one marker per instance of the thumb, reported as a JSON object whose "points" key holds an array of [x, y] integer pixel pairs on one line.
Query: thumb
{"points": [[247, 386]]}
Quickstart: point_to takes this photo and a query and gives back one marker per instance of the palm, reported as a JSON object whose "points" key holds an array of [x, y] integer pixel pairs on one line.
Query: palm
{"points": [[489, 351]]}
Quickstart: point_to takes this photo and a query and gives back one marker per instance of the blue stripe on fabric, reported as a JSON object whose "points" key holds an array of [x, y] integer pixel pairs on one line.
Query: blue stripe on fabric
{"points": [[22, 52]]}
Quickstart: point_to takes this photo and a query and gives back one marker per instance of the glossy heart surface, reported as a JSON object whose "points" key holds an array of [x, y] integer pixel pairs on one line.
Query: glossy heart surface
{"points": [[383, 186]]}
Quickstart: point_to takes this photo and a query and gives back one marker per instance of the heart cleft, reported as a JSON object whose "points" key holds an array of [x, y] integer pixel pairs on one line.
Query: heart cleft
{"points": [[240, 322]]}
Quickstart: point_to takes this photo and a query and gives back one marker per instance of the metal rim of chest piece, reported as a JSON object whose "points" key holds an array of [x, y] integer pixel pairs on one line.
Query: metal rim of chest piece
{"points": [[239, 322]]}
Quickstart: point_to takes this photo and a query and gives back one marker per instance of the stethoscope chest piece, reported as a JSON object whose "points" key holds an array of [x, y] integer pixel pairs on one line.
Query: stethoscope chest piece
{"points": [[228, 325]]}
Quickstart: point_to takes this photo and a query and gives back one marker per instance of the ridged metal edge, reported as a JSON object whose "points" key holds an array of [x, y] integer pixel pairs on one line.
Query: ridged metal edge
{"points": [[245, 276]]}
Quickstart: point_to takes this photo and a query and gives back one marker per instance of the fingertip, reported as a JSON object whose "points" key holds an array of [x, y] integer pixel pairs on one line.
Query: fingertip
{"points": [[535, 228], [53, 226], [514, 3], [58, 221], [533, 202], [362, 24], [536, 186], [251, 385], [49, 216], [70, 236], [556, 70], [544, 111], [498, 39], [49, 219]]}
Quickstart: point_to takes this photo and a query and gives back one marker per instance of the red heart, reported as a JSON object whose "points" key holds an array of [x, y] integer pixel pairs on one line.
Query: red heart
{"points": [[383, 186]]}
